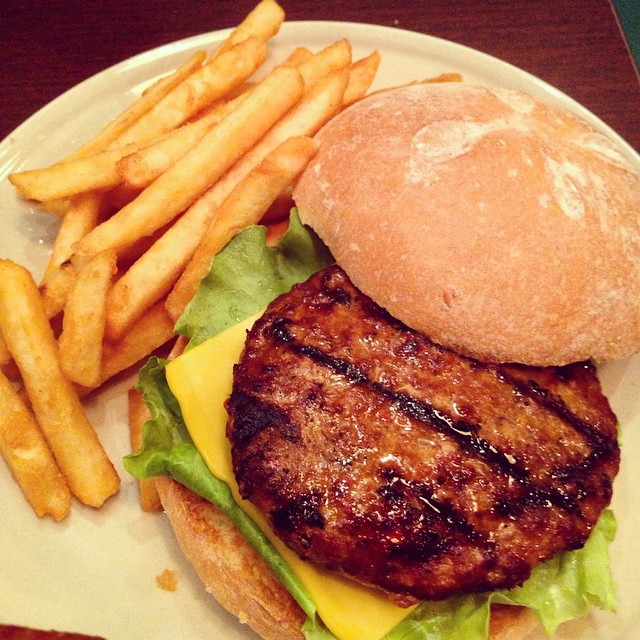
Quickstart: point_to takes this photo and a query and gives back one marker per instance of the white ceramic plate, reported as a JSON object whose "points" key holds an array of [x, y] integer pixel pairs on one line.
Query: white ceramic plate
{"points": [[95, 572]]}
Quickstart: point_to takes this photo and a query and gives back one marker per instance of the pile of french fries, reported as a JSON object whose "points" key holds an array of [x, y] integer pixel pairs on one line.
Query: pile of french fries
{"points": [[144, 207]]}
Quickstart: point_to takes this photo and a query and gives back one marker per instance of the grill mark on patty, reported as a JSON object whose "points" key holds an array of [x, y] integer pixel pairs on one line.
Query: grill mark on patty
{"points": [[464, 432], [599, 446], [255, 415], [397, 488]]}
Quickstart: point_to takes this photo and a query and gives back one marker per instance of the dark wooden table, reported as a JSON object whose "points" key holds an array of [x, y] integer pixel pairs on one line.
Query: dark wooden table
{"points": [[576, 45]]}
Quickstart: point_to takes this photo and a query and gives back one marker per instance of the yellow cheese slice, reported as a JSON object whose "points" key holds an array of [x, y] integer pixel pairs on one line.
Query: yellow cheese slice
{"points": [[201, 380]]}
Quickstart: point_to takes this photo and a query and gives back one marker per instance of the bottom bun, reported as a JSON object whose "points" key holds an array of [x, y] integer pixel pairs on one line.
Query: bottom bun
{"points": [[242, 582], [232, 571]]}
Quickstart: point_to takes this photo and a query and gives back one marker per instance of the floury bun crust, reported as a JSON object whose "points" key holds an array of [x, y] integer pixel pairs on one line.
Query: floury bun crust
{"points": [[499, 226]]}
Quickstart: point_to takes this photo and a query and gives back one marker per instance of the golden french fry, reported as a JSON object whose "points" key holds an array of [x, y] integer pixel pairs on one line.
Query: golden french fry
{"points": [[153, 274], [297, 57], [275, 232], [192, 175], [80, 342], [138, 414], [29, 337], [60, 274], [68, 178], [263, 21], [56, 288], [5, 356], [80, 218], [244, 206], [444, 77], [141, 168], [56, 207], [178, 347], [361, 75], [317, 107], [332, 58], [148, 333], [29, 458], [149, 98], [203, 87]]}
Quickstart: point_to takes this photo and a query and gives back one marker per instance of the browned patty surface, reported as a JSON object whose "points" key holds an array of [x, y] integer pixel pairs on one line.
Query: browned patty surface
{"points": [[377, 453]]}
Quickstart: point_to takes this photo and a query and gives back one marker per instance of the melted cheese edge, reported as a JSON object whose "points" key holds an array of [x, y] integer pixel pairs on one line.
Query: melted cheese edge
{"points": [[201, 380]]}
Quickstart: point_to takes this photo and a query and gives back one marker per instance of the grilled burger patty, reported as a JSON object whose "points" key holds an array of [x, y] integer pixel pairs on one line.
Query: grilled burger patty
{"points": [[379, 454]]}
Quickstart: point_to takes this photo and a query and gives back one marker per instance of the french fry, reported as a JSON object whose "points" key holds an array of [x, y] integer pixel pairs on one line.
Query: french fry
{"points": [[5, 356], [71, 177], [56, 207], [203, 153], [56, 288], [61, 273], [318, 106], [149, 98], [305, 119], [29, 337], [153, 274], [80, 342], [141, 168], [443, 77], [203, 87], [138, 414], [332, 58], [297, 57], [263, 21], [148, 333], [361, 75], [178, 347], [151, 277], [193, 174], [81, 217], [245, 206], [275, 232], [29, 458]]}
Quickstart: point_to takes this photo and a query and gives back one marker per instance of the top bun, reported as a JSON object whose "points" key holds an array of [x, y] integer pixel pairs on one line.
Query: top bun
{"points": [[499, 226]]}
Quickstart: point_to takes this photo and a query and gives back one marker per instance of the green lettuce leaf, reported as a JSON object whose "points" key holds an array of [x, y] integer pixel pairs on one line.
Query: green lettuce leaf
{"points": [[247, 275], [244, 278]]}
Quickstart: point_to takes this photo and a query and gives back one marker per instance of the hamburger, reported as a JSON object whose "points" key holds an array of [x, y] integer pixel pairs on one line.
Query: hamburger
{"points": [[416, 433]]}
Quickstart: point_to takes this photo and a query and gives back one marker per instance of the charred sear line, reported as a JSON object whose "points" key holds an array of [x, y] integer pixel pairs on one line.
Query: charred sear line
{"points": [[408, 500], [253, 415], [464, 432], [600, 446]]}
